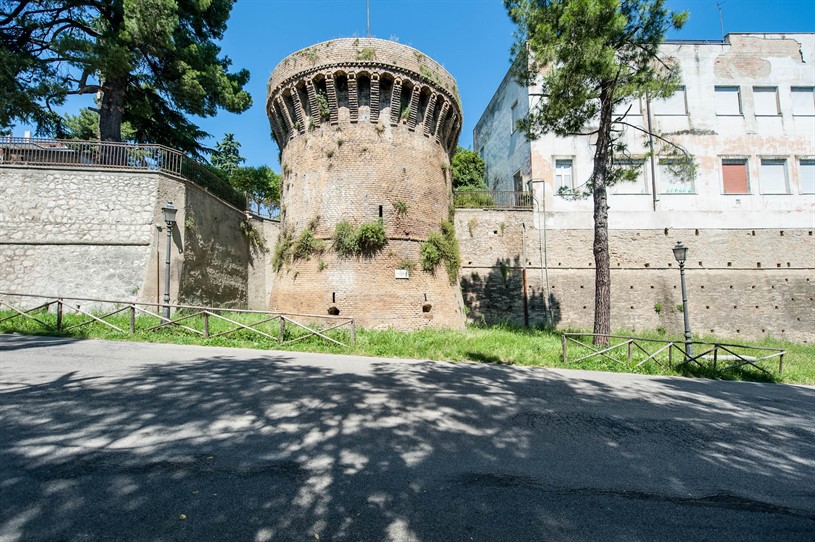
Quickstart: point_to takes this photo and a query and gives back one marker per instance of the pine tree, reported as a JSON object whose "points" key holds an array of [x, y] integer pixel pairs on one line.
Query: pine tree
{"points": [[151, 63], [589, 56]]}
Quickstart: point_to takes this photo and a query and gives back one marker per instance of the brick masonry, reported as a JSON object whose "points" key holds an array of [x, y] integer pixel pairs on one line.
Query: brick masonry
{"points": [[357, 164], [741, 283]]}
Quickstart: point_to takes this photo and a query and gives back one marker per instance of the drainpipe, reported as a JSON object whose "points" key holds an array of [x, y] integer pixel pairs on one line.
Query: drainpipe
{"points": [[523, 257], [542, 247], [651, 147]]}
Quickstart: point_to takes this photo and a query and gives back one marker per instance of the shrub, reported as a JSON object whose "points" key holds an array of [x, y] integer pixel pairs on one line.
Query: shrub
{"points": [[441, 246], [282, 250], [371, 237], [368, 239], [472, 197], [345, 239], [306, 245]]}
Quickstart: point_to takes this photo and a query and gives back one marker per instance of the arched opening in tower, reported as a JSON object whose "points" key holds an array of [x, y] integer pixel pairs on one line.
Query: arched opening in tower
{"points": [[341, 81], [404, 100], [424, 99], [385, 91], [364, 90]]}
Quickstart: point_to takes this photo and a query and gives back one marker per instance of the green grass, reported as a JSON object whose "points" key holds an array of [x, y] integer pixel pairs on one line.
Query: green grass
{"points": [[500, 344]]}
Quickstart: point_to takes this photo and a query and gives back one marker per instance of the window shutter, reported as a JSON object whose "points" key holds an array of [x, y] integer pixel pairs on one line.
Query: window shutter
{"points": [[734, 175]]}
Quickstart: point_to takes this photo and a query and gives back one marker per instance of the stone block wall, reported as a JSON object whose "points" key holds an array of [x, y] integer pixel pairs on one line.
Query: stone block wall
{"points": [[741, 283], [101, 234], [79, 233]]}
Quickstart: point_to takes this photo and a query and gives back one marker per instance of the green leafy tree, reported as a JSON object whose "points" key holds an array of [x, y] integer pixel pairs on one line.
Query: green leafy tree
{"points": [[589, 56], [85, 125], [260, 184], [227, 156], [468, 170], [151, 62]]}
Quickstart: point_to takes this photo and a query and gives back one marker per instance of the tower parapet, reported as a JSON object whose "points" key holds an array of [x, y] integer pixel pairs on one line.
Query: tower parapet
{"points": [[366, 128]]}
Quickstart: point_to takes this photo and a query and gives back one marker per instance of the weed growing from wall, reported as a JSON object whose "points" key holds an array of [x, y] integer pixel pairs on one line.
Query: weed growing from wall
{"points": [[441, 247], [282, 250], [365, 240], [254, 236], [401, 207]]}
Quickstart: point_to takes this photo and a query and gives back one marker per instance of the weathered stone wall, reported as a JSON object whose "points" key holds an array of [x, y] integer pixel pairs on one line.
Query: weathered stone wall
{"points": [[261, 275], [101, 234], [216, 253], [392, 120], [741, 283], [66, 232]]}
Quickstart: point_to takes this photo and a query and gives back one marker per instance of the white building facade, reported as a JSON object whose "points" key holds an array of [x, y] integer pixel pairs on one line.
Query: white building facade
{"points": [[746, 111]]}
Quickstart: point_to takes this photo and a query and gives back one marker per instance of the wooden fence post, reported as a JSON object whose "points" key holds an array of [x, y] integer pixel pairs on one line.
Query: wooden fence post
{"points": [[563, 344], [206, 324], [282, 328], [354, 333], [59, 314], [132, 318], [630, 353]]}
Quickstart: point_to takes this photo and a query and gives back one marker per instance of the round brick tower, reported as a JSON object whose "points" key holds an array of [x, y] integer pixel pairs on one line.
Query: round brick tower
{"points": [[366, 128]]}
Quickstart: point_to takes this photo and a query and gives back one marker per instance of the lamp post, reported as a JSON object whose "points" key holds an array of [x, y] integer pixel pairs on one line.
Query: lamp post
{"points": [[681, 254], [169, 218]]}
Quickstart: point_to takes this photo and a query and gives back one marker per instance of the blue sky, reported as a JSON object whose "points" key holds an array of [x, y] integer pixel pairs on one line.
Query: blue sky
{"points": [[470, 38]]}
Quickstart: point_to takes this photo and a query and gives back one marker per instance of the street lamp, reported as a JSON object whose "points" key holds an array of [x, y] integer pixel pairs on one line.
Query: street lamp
{"points": [[169, 218], [681, 254]]}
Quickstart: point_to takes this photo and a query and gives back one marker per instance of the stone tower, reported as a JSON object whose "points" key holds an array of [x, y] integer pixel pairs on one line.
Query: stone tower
{"points": [[366, 128]]}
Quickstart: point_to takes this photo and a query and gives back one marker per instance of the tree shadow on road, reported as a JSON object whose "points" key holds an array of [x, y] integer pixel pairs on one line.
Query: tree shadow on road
{"points": [[273, 449]]}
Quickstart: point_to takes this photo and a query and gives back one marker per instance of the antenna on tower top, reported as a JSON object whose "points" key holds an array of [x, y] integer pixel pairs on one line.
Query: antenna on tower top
{"points": [[368, 15], [719, 5]]}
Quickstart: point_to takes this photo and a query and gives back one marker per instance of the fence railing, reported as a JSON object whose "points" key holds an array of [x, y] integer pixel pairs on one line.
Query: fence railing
{"points": [[492, 199], [16, 151], [49, 313], [637, 351]]}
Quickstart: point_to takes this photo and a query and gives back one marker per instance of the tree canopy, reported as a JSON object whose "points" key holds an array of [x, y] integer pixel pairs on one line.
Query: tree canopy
{"points": [[150, 62], [226, 156], [260, 184], [468, 170], [588, 57]]}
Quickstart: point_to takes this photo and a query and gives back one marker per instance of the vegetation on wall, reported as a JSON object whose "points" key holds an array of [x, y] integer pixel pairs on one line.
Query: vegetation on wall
{"points": [[441, 246], [365, 240], [282, 250], [254, 236]]}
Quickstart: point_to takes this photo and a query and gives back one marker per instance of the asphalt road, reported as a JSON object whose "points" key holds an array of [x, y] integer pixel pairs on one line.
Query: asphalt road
{"points": [[105, 441]]}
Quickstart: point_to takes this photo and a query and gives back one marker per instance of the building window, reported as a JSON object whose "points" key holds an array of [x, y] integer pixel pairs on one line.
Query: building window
{"points": [[806, 176], [675, 104], [564, 175], [635, 186], [631, 107], [772, 176], [734, 176], [728, 101], [765, 100], [514, 116], [672, 180], [803, 101]]}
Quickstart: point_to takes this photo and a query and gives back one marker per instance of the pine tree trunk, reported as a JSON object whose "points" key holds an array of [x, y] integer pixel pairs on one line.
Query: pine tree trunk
{"points": [[602, 271], [111, 112]]}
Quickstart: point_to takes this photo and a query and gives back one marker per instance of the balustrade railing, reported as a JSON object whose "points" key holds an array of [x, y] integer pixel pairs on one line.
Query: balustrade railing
{"points": [[492, 199], [17, 151]]}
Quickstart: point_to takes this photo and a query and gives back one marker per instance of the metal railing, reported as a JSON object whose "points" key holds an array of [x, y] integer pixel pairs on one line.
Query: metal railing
{"points": [[492, 199], [28, 151], [197, 320], [637, 351]]}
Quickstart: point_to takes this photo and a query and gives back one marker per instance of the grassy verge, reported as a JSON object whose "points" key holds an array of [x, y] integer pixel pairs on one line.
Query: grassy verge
{"points": [[490, 345]]}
